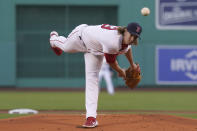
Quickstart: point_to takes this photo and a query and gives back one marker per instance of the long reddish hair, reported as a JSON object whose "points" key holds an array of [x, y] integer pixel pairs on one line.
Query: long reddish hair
{"points": [[121, 30]]}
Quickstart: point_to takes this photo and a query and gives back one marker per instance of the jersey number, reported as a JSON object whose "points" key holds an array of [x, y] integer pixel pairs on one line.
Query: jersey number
{"points": [[109, 27]]}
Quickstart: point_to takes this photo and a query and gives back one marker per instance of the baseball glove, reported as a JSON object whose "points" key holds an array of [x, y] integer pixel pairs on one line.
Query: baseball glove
{"points": [[133, 77]]}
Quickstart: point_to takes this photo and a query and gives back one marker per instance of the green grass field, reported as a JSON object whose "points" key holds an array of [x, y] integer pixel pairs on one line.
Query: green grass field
{"points": [[121, 101]]}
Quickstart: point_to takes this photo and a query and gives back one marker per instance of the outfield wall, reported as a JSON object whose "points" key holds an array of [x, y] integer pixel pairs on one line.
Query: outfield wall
{"points": [[26, 58]]}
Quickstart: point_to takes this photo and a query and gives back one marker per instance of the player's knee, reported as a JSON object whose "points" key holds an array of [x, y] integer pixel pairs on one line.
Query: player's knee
{"points": [[92, 75]]}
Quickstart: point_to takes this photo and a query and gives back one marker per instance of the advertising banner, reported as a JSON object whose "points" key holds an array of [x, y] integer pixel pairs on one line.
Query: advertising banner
{"points": [[176, 65], [176, 14]]}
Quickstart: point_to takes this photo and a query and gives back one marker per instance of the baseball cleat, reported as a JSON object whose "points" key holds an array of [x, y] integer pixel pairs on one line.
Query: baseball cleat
{"points": [[91, 122], [57, 50]]}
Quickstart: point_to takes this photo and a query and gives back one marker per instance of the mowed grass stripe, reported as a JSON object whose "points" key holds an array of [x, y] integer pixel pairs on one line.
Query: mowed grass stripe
{"points": [[162, 101]]}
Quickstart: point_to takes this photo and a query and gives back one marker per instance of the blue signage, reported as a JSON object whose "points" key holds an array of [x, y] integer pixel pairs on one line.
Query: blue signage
{"points": [[176, 14], [176, 65]]}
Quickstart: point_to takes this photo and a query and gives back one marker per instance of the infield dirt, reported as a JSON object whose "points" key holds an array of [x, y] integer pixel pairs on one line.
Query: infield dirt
{"points": [[107, 122]]}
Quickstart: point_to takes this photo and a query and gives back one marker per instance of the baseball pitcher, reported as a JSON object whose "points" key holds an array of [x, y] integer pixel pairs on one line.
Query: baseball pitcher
{"points": [[96, 42]]}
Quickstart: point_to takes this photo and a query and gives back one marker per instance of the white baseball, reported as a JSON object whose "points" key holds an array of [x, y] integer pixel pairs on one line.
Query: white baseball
{"points": [[145, 11]]}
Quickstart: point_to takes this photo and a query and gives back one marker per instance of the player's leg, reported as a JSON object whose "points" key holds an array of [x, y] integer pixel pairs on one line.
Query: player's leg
{"points": [[56, 42], [56, 39], [92, 67], [109, 83], [101, 75], [74, 42], [71, 44]]}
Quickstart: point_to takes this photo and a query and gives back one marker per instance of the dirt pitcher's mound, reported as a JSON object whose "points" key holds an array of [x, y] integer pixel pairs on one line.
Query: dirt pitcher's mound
{"points": [[108, 122]]}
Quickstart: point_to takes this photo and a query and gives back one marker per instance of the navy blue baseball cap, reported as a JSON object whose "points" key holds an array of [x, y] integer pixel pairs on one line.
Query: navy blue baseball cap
{"points": [[134, 29]]}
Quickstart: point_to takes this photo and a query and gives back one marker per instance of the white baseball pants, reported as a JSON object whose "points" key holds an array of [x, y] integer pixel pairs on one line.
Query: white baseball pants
{"points": [[92, 67], [106, 74], [93, 63], [72, 43]]}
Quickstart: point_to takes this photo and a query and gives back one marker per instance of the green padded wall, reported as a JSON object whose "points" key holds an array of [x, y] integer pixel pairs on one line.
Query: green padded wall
{"points": [[35, 59], [7, 44], [25, 26]]}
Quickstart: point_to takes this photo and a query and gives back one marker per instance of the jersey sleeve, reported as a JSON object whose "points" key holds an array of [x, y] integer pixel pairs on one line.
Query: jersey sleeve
{"points": [[128, 48], [125, 50], [110, 58]]}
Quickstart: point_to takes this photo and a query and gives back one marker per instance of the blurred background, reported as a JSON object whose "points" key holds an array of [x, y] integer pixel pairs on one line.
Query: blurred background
{"points": [[167, 51], [30, 72]]}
